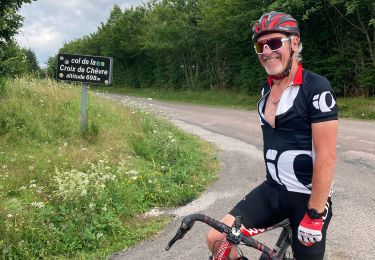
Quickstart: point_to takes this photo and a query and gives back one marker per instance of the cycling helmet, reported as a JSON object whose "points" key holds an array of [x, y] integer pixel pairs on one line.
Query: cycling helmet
{"points": [[275, 22]]}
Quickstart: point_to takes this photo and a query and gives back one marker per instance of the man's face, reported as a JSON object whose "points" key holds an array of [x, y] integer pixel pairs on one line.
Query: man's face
{"points": [[275, 62]]}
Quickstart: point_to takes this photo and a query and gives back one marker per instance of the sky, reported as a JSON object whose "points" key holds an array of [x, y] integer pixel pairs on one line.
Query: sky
{"points": [[48, 24]]}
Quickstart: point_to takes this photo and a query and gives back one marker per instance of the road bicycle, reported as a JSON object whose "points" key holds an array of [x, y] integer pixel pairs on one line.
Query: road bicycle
{"points": [[235, 236]]}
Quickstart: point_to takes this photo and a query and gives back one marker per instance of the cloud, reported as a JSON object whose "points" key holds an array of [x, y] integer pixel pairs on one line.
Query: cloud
{"points": [[49, 23]]}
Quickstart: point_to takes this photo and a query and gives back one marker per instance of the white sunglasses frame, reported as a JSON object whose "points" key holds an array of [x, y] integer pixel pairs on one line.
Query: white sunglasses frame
{"points": [[282, 45]]}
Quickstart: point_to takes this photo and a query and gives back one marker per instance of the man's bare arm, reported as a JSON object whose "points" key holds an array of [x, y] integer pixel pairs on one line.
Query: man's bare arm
{"points": [[324, 136]]}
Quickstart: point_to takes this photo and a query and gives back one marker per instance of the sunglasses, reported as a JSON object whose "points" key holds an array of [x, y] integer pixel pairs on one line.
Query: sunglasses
{"points": [[273, 44]]}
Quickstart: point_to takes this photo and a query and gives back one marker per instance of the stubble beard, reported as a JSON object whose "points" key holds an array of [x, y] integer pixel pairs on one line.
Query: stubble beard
{"points": [[274, 70]]}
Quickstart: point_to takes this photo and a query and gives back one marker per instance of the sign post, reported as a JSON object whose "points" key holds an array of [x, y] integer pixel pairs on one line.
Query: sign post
{"points": [[85, 69], [83, 108]]}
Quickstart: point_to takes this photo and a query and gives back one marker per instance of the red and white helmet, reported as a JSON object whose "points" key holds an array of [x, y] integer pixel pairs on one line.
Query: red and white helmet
{"points": [[275, 22]]}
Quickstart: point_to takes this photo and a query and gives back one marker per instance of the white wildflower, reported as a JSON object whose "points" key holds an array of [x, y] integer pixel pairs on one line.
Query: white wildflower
{"points": [[132, 172], [38, 205], [83, 193], [92, 205], [10, 216], [72, 184], [31, 167], [99, 235]]}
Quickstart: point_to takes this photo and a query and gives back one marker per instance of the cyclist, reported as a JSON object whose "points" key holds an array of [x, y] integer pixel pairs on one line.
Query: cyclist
{"points": [[299, 121]]}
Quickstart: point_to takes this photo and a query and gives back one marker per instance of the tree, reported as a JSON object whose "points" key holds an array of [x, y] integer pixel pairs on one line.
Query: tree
{"points": [[10, 21], [31, 61], [12, 59]]}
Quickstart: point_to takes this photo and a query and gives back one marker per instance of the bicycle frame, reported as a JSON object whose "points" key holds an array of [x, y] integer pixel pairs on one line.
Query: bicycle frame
{"points": [[235, 235]]}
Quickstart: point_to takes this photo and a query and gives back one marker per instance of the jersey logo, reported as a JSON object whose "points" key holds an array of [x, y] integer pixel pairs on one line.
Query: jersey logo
{"points": [[320, 101], [283, 168]]}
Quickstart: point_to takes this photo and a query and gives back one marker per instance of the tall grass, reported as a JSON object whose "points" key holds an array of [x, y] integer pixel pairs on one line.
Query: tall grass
{"points": [[67, 195]]}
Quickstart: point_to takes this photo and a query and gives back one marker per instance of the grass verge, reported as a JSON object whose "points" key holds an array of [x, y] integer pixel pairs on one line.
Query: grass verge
{"points": [[70, 195], [356, 108]]}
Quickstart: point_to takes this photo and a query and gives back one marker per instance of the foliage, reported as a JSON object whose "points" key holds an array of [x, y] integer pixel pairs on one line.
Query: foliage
{"points": [[206, 44], [10, 21], [65, 197], [13, 59]]}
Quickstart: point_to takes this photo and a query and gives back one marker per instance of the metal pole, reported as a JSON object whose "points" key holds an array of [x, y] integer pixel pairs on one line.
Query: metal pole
{"points": [[83, 108]]}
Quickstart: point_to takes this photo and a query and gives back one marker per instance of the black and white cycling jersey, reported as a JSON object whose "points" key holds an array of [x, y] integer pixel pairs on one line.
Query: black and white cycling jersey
{"points": [[288, 148]]}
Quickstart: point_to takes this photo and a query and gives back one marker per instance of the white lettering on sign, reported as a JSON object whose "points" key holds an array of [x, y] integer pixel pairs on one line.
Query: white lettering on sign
{"points": [[67, 68], [76, 61], [75, 76], [96, 71]]}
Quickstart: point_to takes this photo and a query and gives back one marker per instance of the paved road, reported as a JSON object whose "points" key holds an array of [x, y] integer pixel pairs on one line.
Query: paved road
{"points": [[237, 134]]}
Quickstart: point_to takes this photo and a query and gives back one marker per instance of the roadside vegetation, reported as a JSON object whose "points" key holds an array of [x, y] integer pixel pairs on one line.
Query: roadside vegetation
{"points": [[67, 195], [350, 107]]}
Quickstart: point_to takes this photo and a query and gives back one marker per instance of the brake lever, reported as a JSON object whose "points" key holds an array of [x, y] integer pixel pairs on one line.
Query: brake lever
{"points": [[186, 224], [179, 235]]}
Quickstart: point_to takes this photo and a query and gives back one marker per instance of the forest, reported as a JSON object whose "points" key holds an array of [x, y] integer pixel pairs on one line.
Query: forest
{"points": [[206, 44]]}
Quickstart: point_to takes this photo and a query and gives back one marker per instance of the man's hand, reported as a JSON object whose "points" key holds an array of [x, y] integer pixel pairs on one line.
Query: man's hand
{"points": [[310, 230]]}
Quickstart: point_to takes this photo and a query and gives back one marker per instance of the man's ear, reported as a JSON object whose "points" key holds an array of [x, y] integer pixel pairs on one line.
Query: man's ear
{"points": [[294, 42]]}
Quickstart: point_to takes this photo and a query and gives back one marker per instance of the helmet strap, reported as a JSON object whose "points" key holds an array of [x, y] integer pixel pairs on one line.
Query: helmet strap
{"points": [[289, 67]]}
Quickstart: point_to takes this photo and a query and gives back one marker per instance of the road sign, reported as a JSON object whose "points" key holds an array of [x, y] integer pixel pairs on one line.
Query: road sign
{"points": [[84, 68]]}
